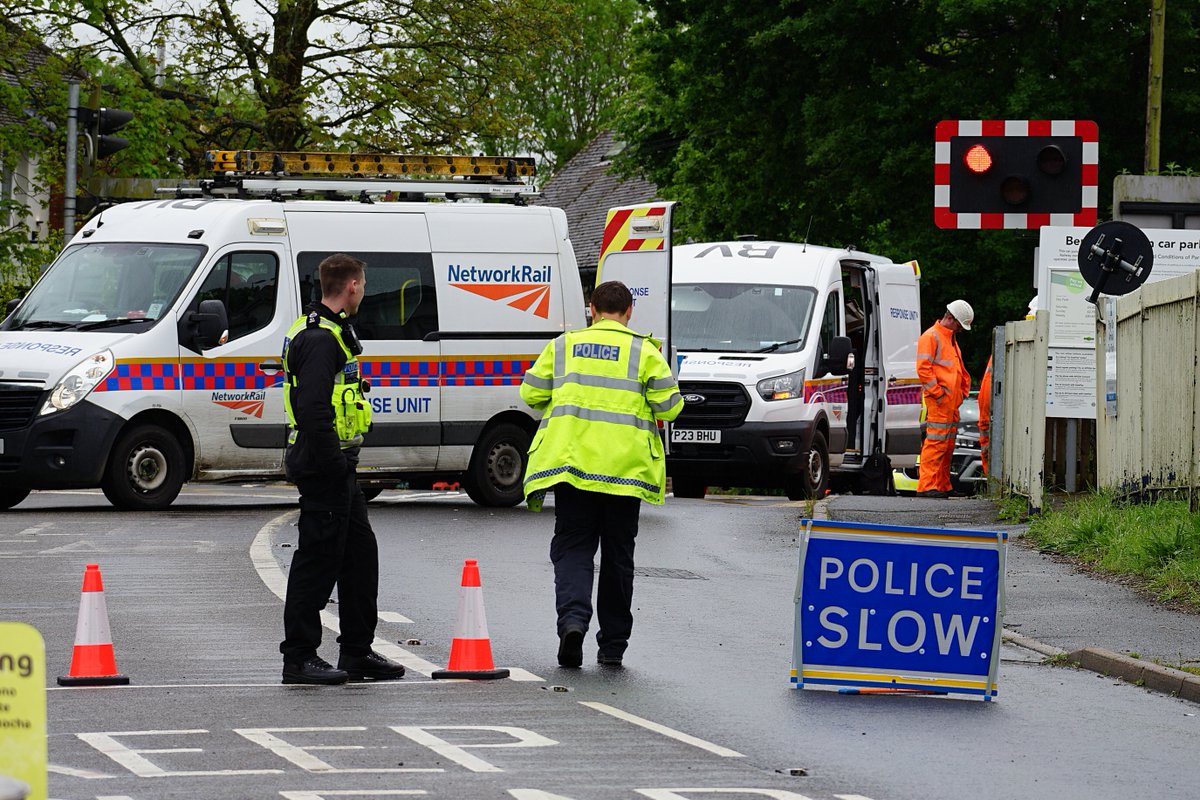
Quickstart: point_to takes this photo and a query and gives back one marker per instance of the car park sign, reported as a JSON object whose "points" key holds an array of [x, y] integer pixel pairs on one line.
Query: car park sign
{"points": [[897, 608]]}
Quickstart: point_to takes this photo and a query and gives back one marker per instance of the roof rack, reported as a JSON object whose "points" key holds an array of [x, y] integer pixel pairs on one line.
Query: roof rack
{"points": [[284, 175]]}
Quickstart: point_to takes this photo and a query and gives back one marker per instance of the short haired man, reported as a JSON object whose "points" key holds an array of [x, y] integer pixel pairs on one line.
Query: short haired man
{"points": [[601, 391], [944, 384], [327, 416]]}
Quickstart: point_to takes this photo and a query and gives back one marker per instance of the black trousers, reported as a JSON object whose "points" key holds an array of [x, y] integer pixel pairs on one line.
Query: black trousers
{"points": [[337, 547], [582, 521]]}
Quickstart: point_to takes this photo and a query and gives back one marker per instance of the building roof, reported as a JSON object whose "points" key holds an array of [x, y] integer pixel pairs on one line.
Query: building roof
{"points": [[585, 189], [24, 55]]}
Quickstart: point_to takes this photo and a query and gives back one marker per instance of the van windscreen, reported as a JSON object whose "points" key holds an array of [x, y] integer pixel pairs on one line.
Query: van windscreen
{"points": [[108, 285], [740, 318]]}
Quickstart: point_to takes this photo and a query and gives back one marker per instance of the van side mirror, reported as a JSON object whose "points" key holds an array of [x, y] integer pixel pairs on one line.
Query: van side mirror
{"points": [[207, 327], [11, 305], [836, 361]]}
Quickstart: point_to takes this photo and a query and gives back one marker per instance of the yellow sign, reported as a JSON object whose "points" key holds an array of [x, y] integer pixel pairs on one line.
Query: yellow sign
{"points": [[23, 707]]}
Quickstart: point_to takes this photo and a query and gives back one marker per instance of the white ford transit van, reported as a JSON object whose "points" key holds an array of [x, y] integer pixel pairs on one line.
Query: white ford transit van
{"points": [[149, 353], [771, 399]]}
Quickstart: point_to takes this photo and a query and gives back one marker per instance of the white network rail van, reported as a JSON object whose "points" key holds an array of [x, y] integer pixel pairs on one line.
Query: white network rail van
{"points": [[765, 329], [114, 371]]}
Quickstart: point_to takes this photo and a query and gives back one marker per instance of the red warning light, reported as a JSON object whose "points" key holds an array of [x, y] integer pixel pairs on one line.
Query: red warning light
{"points": [[978, 159]]}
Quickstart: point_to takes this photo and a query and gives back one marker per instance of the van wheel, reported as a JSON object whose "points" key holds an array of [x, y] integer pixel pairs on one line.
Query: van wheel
{"points": [[145, 469], [497, 470], [11, 497], [813, 480], [687, 489]]}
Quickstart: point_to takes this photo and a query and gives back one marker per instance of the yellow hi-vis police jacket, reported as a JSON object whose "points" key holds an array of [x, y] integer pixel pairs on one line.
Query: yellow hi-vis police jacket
{"points": [[600, 390]]}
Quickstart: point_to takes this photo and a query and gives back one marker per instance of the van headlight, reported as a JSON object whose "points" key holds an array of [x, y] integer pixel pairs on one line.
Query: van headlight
{"points": [[782, 387], [79, 381]]}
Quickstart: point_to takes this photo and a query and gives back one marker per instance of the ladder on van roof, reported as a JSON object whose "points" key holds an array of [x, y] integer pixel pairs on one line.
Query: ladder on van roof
{"points": [[284, 175]]}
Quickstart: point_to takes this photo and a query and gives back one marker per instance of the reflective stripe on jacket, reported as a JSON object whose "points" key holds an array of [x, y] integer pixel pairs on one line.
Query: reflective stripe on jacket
{"points": [[944, 378], [351, 411], [601, 391]]}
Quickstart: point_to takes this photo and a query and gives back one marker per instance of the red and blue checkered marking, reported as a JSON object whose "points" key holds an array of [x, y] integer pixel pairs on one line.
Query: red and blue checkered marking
{"points": [[140, 376], [904, 395], [400, 373], [225, 375], [485, 372], [231, 375]]}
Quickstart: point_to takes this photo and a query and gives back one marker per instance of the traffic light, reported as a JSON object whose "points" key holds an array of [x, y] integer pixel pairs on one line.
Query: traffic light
{"points": [[1015, 173], [98, 124]]}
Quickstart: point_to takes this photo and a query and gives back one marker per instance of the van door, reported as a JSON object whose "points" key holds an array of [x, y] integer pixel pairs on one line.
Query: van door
{"points": [[233, 393], [831, 389], [398, 311], [899, 304], [636, 250]]}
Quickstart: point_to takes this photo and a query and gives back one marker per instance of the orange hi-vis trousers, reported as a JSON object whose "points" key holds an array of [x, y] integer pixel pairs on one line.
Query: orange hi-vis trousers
{"points": [[936, 450]]}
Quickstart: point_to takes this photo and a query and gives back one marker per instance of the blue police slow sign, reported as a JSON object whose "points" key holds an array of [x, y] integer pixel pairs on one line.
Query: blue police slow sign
{"points": [[897, 607]]}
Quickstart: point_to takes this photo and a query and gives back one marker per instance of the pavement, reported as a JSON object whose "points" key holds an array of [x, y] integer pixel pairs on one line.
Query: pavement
{"points": [[1053, 607]]}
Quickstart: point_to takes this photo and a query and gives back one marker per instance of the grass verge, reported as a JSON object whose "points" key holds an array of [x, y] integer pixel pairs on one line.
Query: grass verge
{"points": [[1158, 544]]}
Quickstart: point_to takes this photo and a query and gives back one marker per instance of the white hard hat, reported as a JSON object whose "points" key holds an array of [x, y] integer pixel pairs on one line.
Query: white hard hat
{"points": [[961, 310]]}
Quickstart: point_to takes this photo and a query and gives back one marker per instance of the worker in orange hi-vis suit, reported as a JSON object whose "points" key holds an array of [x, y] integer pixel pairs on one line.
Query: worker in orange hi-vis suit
{"points": [[944, 384], [985, 416]]}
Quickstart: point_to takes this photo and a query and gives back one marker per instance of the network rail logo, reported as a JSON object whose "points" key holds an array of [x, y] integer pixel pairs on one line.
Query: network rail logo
{"points": [[249, 403], [521, 286]]}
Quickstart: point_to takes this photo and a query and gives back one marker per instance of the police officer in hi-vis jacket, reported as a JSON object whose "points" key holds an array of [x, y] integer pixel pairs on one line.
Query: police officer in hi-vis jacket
{"points": [[327, 417], [601, 391]]}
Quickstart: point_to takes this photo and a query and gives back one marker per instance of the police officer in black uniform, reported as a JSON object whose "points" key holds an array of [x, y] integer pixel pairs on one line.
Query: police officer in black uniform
{"points": [[328, 415]]}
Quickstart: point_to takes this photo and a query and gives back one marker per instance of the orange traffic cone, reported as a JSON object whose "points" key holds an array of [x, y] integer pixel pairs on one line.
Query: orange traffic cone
{"points": [[93, 663], [471, 650]]}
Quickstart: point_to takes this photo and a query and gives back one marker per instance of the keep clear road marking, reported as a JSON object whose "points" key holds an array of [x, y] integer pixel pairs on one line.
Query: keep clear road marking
{"points": [[273, 578], [76, 773], [716, 749], [352, 793]]}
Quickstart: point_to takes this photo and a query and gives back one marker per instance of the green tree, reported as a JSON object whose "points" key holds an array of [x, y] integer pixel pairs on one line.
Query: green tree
{"points": [[574, 83], [377, 74], [769, 118], [31, 82]]}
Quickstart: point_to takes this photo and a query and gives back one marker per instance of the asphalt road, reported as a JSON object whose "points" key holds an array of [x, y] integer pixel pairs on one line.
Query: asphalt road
{"points": [[702, 709]]}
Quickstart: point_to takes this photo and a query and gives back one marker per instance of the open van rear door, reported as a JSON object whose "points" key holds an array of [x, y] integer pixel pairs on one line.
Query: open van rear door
{"points": [[636, 250], [900, 325]]}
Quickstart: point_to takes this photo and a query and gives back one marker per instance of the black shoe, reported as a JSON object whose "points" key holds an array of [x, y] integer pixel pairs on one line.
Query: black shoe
{"points": [[372, 665], [314, 670], [608, 659], [570, 648], [934, 493]]}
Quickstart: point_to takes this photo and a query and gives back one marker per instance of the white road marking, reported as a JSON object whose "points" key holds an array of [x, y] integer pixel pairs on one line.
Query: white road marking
{"points": [[716, 749], [323, 793], [35, 529], [131, 758], [302, 756], [457, 752], [518, 674], [393, 616], [273, 578], [133, 687], [76, 773], [408, 498]]}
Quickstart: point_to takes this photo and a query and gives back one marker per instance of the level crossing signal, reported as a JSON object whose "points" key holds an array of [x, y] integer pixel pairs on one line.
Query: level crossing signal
{"points": [[1015, 173]]}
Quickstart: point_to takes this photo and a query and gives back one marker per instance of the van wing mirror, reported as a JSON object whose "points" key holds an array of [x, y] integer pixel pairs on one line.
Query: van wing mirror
{"points": [[837, 360], [207, 327]]}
